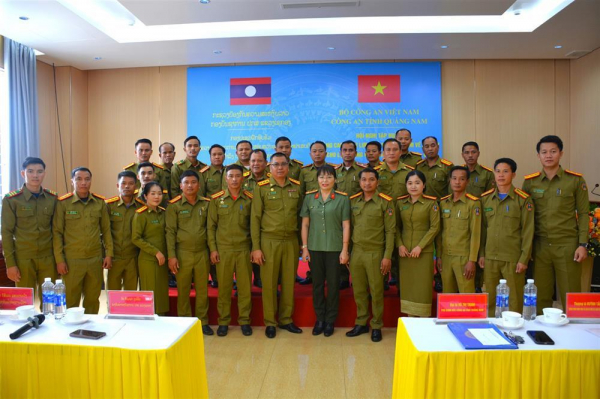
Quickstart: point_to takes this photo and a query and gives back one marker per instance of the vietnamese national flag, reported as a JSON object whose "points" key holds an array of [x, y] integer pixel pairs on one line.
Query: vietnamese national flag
{"points": [[379, 88], [249, 91]]}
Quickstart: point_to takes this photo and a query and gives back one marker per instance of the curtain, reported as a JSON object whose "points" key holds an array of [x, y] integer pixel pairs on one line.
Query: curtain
{"points": [[23, 135]]}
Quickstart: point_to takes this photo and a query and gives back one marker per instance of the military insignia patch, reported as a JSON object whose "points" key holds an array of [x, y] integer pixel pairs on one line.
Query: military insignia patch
{"points": [[435, 208], [390, 211], [477, 211], [584, 187], [529, 207]]}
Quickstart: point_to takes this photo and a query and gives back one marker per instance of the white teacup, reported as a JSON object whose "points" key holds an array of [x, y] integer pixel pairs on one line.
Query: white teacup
{"points": [[511, 319], [554, 315], [74, 315], [23, 312]]}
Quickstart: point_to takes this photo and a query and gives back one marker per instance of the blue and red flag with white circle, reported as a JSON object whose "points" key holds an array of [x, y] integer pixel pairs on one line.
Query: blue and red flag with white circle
{"points": [[249, 91]]}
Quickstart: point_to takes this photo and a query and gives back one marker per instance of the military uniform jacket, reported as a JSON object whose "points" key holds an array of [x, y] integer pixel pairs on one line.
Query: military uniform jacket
{"points": [[558, 203], [139, 197], [460, 227], [275, 211], [295, 168], [121, 222], [393, 183], [326, 231], [229, 221], [186, 225], [181, 166], [373, 223], [347, 180], [214, 179], [80, 228], [507, 226], [251, 181], [437, 176], [308, 177], [27, 225], [481, 180], [411, 158], [148, 232], [167, 178], [418, 223]]}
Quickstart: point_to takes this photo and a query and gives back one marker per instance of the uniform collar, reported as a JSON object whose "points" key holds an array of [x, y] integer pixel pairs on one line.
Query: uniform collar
{"points": [[559, 173], [28, 194], [401, 166], [330, 198], [188, 164], [121, 202], [185, 201], [215, 170], [511, 192], [263, 177], [76, 198], [375, 198], [272, 182]]}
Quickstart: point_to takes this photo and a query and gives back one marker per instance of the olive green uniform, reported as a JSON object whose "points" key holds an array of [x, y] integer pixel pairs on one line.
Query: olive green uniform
{"points": [[373, 230], [166, 171], [481, 179], [159, 170], [393, 183], [458, 241], [148, 234], [250, 181], [347, 180], [187, 241], [274, 230], [411, 158], [214, 179], [181, 166], [558, 232], [308, 177], [325, 243], [142, 200], [124, 271], [438, 177], [418, 224], [27, 235], [295, 168], [506, 239], [80, 232], [229, 234]]}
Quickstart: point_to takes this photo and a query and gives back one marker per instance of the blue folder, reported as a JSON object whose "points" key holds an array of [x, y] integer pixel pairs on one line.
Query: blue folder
{"points": [[468, 341]]}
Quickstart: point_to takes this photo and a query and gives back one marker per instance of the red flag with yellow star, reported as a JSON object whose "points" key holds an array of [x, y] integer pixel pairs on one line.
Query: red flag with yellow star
{"points": [[379, 88]]}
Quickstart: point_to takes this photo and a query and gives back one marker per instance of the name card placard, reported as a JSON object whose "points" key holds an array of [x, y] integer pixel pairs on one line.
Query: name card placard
{"points": [[11, 297], [131, 303], [462, 306], [583, 305]]}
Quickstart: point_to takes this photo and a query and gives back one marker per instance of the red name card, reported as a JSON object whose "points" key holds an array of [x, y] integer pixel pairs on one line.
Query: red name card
{"points": [[11, 298], [584, 305], [462, 306], [132, 303]]}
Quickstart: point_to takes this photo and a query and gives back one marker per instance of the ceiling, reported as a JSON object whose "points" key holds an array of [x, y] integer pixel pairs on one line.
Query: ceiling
{"points": [[68, 39]]}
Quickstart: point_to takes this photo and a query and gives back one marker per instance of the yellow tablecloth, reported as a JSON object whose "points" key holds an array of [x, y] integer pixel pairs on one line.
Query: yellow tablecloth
{"points": [[502, 374], [72, 371]]}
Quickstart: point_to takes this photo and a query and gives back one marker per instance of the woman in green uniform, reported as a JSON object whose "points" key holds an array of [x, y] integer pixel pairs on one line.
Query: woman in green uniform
{"points": [[148, 233], [418, 222]]}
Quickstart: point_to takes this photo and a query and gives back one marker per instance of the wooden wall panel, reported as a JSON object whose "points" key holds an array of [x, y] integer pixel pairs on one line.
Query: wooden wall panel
{"points": [[173, 107]]}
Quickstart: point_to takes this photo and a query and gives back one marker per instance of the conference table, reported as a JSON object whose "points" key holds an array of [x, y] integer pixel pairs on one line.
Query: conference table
{"points": [[431, 363], [158, 358]]}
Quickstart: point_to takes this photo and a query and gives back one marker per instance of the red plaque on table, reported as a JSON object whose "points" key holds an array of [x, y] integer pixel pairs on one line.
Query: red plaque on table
{"points": [[462, 306], [583, 305], [131, 303], [11, 298]]}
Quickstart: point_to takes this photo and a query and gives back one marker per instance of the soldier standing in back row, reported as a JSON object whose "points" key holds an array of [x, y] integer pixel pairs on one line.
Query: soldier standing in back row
{"points": [[191, 146], [434, 168], [284, 146], [407, 157], [561, 224], [166, 153], [143, 152], [214, 174]]}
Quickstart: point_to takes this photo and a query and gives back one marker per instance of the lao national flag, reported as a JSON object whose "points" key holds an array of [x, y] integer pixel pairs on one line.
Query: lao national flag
{"points": [[379, 88], [250, 91]]}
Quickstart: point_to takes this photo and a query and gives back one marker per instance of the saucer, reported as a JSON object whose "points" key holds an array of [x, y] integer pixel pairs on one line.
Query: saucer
{"points": [[542, 320], [16, 319], [85, 319], [500, 323]]}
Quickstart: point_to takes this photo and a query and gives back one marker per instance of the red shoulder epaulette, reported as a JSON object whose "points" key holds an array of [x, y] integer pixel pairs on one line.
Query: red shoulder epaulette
{"points": [[446, 162], [341, 193], [472, 197], [416, 153], [248, 194], [486, 168], [378, 167], [385, 196], [64, 197], [246, 173], [204, 169], [431, 197], [307, 166], [356, 195], [298, 162], [111, 200], [14, 193], [50, 192], [217, 195], [159, 166], [334, 166], [420, 162], [409, 167], [294, 181], [161, 208], [263, 182], [403, 196], [531, 176], [205, 199], [521, 193], [573, 173], [128, 166], [142, 209], [445, 198], [174, 200], [99, 196], [311, 192], [140, 201], [165, 191], [362, 165], [488, 192]]}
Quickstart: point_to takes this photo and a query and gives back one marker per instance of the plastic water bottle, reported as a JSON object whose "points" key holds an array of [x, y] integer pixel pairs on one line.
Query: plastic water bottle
{"points": [[502, 292], [530, 301], [47, 296], [60, 300]]}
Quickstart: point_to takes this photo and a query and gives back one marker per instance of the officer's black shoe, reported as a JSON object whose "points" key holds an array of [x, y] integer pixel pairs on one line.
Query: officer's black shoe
{"points": [[222, 331], [214, 284], [437, 286], [246, 330], [386, 285], [172, 282], [270, 332], [319, 327], [376, 335], [298, 278], [258, 282], [357, 330], [344, 285], [291, 328], [206, 330], [328, 331], [393, 281], [306, 281], [478, 290]]}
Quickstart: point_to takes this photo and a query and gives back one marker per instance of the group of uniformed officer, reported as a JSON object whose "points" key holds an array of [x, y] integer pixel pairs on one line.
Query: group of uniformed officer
{"points": [[186, 217]]}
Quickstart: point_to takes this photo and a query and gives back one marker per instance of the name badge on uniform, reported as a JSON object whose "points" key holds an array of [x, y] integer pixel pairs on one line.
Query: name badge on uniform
{"points": [[116, 214], [538, 190], [223, 205], [184, 212], [446, 210], [488, 209], [154, 222], [25, 208], [72, 212], [405, 207]]}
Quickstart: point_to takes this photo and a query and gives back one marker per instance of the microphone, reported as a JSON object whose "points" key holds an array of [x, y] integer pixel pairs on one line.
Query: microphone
{"points": [[33, 322], [594, 189]]}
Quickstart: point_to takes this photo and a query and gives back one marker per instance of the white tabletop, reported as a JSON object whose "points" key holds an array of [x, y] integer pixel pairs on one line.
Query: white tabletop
{"points": [[430, 337], [160, 333]]}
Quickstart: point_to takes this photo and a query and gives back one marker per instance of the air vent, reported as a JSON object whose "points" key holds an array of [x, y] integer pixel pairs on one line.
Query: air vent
{"points": [[321, 4], [577, 53]]}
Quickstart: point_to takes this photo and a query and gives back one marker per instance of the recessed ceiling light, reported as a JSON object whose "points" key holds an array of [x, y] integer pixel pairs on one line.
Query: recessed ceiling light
{"points": [[204, 1], [444, 46], [559, 46], [217, 52], [97, 58], [330, 48], [24, 18]]}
